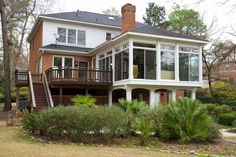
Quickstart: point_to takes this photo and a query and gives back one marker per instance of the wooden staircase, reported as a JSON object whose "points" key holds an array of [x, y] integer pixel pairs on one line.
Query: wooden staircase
{"points": [[40, 96]]}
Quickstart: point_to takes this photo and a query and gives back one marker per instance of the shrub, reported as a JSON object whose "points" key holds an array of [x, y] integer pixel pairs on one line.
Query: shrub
{"points": [[84, 100], [144, 128], [234, 123], [185, 120], [227, 118], [133, 106], [231, 103], [77, 123], [214, 110]]}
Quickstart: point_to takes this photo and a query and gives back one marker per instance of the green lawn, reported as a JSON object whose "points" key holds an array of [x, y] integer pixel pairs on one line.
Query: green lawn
{"points": [[14, 144]]}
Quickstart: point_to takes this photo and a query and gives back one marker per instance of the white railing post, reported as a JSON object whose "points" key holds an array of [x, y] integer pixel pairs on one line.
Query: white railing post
{"points": [[31, 89], [47, 90]]}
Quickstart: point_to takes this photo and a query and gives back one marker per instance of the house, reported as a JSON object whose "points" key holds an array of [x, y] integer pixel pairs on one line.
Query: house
{"points": [[227, 69], [109, 57]]}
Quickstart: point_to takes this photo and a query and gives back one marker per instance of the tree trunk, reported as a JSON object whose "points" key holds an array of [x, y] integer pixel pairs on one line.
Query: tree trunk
{"points": [[6, 58]]}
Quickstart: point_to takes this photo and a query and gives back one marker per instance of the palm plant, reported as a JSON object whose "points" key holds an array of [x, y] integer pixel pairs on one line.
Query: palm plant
{"points": [[84, 100], [134, 106], [144, 128], [186, 120]]}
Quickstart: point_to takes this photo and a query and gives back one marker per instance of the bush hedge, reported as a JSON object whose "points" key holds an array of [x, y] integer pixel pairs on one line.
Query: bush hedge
{"points": [[23, 94], [81, 124], [227, 118], [185, 120], [214, 110]]}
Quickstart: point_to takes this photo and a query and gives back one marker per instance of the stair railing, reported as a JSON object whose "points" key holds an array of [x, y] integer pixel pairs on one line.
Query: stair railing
{"points": [[47, 90], [31, 89]]}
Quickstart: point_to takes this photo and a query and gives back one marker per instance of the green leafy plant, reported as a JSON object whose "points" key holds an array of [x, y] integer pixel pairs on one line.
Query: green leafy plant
{"points": [[227, 118], [84, 100], [144, 128], [133, 106], [77, 123], [214, 110], [185, 120]]}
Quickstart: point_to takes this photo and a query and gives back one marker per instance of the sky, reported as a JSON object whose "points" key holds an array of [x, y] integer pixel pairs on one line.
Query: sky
{"points": [[223, 14]]}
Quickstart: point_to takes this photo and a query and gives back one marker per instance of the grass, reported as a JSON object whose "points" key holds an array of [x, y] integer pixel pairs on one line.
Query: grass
{"points": [[14, 144]]}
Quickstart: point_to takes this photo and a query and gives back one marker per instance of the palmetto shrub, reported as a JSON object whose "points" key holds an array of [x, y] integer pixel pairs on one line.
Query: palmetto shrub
{"points": [[145, 129], [133, 106], [84, 100], [83, 124], [185, 120]]}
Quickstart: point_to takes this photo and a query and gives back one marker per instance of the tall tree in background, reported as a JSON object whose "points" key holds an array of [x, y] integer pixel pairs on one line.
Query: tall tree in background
{"points": [[187, 21], [111, 11], [155, 16], [6, 56]]}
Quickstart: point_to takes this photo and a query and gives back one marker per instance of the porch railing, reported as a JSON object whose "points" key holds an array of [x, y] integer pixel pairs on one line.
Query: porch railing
{"points": [[80, 75]]}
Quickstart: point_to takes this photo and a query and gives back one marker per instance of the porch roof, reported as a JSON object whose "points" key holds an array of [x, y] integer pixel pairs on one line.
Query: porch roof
{"points": [[64, 48]]}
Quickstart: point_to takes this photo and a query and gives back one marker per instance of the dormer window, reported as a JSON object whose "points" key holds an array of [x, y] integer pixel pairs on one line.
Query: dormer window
{"points": [[71, 36], [62, 35]]}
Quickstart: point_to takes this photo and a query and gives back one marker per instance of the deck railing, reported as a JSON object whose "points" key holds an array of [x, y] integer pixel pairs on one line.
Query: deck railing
{"points": [[79, 75]]}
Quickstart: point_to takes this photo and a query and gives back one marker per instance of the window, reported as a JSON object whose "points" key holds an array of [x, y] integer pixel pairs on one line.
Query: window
{"points": [[168, 62], [81, 37], [144, 64], [110, 36], [188, 64], [226, 67], [62, 35], [144, 45], [71, 36]]}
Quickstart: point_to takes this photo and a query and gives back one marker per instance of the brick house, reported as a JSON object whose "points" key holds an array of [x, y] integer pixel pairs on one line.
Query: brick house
{"points": [[109, 57]]}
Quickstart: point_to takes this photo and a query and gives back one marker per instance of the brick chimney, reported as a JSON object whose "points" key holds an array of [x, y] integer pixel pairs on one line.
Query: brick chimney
{"points": [[128, 17]]}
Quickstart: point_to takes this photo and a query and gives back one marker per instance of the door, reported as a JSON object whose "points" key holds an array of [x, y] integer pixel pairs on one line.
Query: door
{"points": [[63, 67], [83, 71]]}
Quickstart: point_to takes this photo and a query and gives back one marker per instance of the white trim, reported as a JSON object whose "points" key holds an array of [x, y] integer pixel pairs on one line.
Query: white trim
{"points": [[63, 51], [165, 37], [158, 61], [131, 75], [177, 63]]}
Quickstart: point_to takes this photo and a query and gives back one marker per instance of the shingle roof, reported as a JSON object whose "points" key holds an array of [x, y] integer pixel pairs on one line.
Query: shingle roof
{"points": [[89, 17], [109, 20], [162, 32], [66, 48]]}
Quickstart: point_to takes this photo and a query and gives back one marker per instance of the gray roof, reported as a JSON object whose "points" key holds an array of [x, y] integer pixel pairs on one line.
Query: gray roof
{"points": [[162, 32], [66, 48], [96, 18], [89, 17]]}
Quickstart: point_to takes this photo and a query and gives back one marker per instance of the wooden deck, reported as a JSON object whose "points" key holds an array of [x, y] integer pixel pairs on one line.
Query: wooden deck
{"points": [[81, 77]]}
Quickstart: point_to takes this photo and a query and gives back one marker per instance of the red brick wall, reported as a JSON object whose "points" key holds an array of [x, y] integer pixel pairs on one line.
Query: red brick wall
{"points": [[35, 44], [228, 74]]}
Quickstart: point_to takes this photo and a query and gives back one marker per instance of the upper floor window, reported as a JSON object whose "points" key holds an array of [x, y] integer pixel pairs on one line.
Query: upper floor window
{"points": [[188, 64], [81, 37], [226, 67], [71, 36], [110, 36], [62, 35], [167, 62]]}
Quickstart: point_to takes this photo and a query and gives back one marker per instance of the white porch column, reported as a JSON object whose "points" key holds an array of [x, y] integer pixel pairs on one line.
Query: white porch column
{"points": [[157, 97], [177, 63], [173, 95], [128, 94], [110, 97], [158, 62], [193, 94], [131, 76], [113, 64], [152, 98]]}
